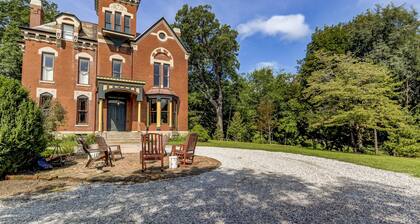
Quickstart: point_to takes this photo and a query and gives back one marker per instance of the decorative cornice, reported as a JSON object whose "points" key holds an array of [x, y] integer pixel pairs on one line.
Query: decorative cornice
{"points": [[102, 78]]}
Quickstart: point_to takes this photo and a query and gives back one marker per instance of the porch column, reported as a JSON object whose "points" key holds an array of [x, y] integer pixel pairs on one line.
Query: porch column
{"points": [[139, 116], [148, 114], [159, 110], [100, 115], [170, 113]]}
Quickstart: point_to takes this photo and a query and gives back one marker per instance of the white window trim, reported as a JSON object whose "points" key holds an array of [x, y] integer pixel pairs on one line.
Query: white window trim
{"points": [[48, 50], [82, 93], [79, 72], [166, 36], [163, 51], [40, 91], [115, 7], [84, 55], [116, 56]]}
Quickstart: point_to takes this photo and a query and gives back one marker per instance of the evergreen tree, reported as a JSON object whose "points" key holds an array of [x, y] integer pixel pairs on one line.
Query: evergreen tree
{"points": [[236, 130]]}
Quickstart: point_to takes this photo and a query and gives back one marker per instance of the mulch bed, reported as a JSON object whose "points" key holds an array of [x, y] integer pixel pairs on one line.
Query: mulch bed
{"points": [[126, 170]]}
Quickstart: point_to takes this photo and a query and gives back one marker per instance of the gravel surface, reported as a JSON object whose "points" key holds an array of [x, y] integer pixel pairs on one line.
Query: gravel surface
{"points": [[250, 187]]}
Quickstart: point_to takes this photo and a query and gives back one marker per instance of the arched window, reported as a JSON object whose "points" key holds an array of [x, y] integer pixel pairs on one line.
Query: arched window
{"points": [[45, 102], [162, 62], [82, 109]]}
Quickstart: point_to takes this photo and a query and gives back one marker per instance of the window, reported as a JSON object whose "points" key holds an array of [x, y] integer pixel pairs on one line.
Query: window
{"points": [[45, 102], [108, 24], [165, 76], [162, 36], [164, 111], [83, 71], [156, 75], [127, 24], [117, 21], [47, 67], [82, 109], [116, 68], [68, 32], [153, 111], [174, 113]]}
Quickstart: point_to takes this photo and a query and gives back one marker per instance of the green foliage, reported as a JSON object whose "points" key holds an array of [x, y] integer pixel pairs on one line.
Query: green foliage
{"points": [[236, 130], [213, 61], [354, 94], [203, 135], [21, 128], [404, 142], [54, 115], [14, 14]]}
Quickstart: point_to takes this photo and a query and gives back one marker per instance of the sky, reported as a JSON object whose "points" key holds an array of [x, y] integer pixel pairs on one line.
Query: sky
{"points": [[272, 33]]}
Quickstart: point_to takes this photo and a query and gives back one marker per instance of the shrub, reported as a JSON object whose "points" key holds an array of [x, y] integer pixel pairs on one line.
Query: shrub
{"points": [[203, 135], [21, 128], [405, 142]]}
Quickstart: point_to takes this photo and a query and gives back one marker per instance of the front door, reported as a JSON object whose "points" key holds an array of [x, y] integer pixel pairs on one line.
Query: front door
{"points": [[116, 115]]}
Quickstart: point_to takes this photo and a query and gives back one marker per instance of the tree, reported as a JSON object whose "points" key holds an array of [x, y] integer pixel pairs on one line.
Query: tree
{"points": [[266, 119], [354, 94], [387, 36], [213, 59], [21, 128], [237, 129], [14, 14]]}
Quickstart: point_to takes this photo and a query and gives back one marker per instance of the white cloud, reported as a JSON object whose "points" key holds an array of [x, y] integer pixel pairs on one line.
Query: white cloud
{"points": [[289, 27], [268, 64]]}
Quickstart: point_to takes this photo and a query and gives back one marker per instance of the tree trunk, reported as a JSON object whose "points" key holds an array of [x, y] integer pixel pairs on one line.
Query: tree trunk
{"points": [[359, 138], [407, 93], [219, 114], [376, 141]]}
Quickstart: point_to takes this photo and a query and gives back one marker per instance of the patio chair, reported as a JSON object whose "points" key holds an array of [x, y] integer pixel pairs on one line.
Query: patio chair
{"points": [[94, 154], [186, 151], [151, 149], [104, 146]]}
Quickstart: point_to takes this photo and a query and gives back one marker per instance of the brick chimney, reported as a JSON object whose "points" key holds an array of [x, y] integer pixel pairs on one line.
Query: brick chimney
{"points": [[177, 32], [36, 13]]}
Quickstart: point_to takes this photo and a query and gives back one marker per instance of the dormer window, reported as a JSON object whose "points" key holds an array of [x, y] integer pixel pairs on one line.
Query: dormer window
{"points": [[118, 21], [68, 31], [126, 24], [108, 22]]}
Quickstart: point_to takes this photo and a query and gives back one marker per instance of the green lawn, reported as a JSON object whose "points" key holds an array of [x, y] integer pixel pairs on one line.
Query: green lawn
{"points": [[403, 165]]}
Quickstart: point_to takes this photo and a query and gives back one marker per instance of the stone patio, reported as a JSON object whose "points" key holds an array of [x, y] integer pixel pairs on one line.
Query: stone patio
{"points": [[127, 169]]}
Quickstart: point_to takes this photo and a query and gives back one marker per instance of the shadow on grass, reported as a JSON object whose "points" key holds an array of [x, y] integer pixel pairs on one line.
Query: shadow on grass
{"points": [[230, 196]]}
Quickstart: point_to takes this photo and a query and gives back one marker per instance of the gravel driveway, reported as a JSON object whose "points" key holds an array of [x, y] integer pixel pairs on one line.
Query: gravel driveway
{"points": [[250, 187]]}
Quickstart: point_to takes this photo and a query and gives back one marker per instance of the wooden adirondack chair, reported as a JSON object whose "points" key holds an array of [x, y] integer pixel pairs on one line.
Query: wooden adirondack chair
{"points": [[104, 146], [103, 155], [151, 149], [186, 151]]}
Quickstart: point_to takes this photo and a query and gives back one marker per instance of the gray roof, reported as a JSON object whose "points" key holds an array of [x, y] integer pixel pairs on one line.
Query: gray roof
{"points": [[88, 30]]}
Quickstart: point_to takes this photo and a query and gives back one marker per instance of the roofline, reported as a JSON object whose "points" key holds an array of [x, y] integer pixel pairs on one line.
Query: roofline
{"points": [[172, 30], [68, 14], [50, 32]]}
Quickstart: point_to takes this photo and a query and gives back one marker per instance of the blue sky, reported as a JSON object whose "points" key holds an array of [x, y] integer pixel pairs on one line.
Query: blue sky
{"points": [[272, 32]]}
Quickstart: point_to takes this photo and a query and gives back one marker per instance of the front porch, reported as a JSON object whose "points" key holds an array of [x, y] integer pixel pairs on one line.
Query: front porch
{"points": [[123, 106]]}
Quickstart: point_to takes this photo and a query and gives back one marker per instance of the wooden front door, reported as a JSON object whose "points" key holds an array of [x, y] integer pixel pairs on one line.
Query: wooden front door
{"points": [[116, 115]]}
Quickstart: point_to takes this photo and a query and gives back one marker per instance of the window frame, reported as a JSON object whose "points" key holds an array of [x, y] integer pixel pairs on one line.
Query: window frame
{"points": [[167, 75], [157, 65], [108, 24], [63, 32], [80, 70], [42, 103], [127, 26], [164, 111], [117, 21], [121, 68], [43, 66], [153, 112], [79, 111]]}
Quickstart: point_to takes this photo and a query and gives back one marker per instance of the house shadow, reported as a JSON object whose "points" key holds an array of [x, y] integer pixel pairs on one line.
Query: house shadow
{"points": [[223, 195]]}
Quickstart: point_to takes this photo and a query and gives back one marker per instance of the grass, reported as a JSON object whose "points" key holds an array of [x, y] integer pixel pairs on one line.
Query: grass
{"points": [[397, 164]]}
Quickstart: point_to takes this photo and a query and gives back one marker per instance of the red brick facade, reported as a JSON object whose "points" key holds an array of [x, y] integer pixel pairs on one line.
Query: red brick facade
{"points": [[109, 99]]}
